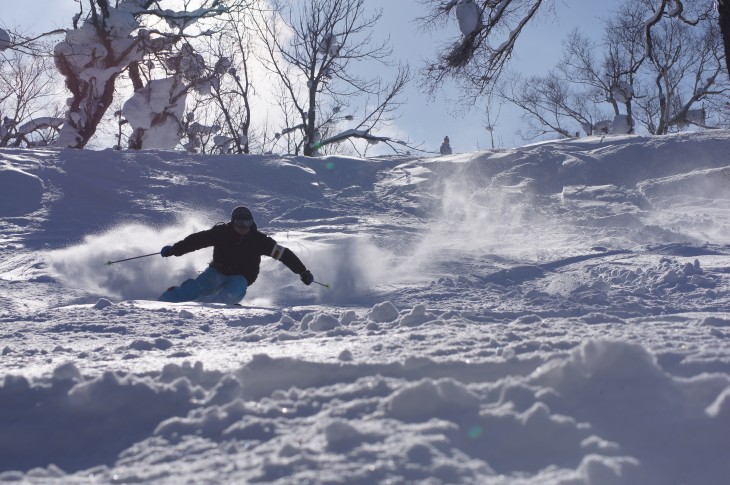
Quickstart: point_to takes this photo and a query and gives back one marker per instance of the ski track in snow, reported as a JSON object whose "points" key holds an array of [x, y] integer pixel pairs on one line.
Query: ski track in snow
{"points": [[556, 313]]}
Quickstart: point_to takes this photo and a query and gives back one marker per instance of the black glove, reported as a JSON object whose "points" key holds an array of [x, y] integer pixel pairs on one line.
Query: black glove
{"points": [[166, 252], [307, 277]]}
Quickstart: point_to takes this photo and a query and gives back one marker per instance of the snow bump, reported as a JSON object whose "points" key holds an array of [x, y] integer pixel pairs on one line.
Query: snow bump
{"points": [[21, 192]]}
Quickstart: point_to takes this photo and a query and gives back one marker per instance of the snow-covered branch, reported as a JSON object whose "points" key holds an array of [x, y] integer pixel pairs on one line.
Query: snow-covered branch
{"points": [[363, 135]]}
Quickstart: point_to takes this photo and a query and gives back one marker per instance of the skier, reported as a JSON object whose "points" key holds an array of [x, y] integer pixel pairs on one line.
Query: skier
{"points": [[237, 249], [445, 147]]}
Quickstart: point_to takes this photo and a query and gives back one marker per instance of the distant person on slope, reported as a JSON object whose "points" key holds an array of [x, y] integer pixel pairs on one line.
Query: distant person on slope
{"points": [[237, 249], [445, 147]]}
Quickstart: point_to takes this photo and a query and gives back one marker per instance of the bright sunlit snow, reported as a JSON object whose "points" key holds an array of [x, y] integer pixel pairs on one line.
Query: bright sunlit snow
{"points": [[552, 314]]}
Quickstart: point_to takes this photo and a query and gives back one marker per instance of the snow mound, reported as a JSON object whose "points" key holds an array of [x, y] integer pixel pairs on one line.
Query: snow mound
{"points": [[22, 192], [638, 403], [40, 421]]}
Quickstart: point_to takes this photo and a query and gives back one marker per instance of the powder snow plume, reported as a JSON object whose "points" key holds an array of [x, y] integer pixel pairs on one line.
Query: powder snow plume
{"points": [[351, 266], [84, 265]]}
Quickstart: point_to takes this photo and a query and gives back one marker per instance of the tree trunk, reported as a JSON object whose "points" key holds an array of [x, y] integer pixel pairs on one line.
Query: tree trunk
{"points": [[630, 117], [135, 139], [246, 123], [90, 103], [723, 7], [135, 76], [310, 128]]}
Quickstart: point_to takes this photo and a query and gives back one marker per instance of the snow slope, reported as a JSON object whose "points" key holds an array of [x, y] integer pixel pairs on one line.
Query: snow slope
{"points": [[556, 313]]}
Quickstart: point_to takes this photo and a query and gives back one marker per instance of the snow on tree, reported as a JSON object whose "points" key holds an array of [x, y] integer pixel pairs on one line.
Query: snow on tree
{"points": [[162, 127], [621, 125], [191, 64], [155, 113], [223, 66], [84, 58], [196, 132], [622, 92], [602, 127], [224, 144], [194, 69], [40, 124], [110, 40], [469, 16], [329, 45], [4, 40], [696, 116]]}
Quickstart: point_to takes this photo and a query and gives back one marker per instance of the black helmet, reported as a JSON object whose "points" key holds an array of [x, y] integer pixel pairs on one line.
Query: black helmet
{"points": [[241, 213]]}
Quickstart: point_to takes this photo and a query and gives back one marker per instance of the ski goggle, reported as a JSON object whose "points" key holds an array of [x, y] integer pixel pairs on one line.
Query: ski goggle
{"points": [[243, 222]]}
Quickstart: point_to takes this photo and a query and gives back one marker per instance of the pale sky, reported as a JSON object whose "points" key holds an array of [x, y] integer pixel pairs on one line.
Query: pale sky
{"points": [[421, 120]]}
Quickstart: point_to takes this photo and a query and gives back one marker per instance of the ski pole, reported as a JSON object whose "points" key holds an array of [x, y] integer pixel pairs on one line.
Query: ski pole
{"points": [[322, 284], [109, 263]]}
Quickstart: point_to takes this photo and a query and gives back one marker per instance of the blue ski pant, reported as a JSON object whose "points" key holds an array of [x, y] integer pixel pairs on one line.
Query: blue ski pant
{"points": [[211, 286]]}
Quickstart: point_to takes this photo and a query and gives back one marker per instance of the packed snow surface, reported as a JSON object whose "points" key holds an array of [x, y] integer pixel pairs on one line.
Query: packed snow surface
{"points": [[551, 314]]}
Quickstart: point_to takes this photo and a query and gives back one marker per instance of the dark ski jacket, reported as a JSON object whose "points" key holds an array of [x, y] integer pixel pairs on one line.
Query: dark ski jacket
{"points": [[234, 254]]}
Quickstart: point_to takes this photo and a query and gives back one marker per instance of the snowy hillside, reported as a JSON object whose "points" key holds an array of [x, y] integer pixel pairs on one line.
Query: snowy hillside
{"points": [[557, 313]]}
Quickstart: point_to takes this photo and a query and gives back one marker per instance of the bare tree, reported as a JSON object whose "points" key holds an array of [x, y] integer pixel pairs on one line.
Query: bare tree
{"points": [[234, 97], [30, 108], [624, 56], [273, 136], [686, 63], [490, 124], [313, 48], [606, 71], [231, 51], [664, 88], [549, 104]]}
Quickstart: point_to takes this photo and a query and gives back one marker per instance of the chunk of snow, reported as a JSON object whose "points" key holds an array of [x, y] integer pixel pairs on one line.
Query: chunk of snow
{"points": [[102, 303], [329, 45], [323, 322], [383, 312], [416, 317], [428, 399], [4, 40], [192, 64], [602, 127], [622, 92], [696, 116], [620, 125], [469, 16]]}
